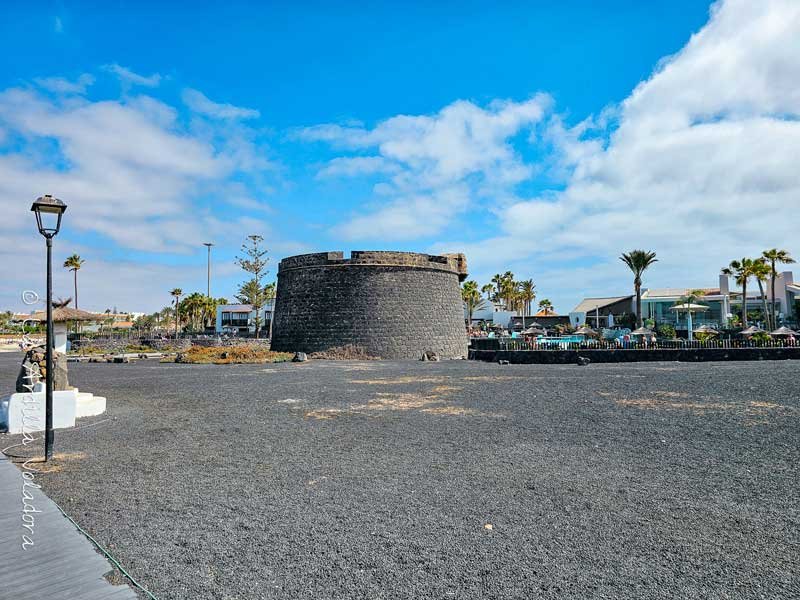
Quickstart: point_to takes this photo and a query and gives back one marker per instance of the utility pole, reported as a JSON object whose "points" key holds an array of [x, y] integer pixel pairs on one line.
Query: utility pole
{"points": [[208, 290]]}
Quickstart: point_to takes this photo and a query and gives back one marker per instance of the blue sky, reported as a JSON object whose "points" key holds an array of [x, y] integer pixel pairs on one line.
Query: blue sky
{"points": [[534, 138]]}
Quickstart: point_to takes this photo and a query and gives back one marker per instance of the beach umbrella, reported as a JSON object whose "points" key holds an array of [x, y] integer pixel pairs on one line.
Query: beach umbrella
{"points": [[689, 308], [642, 331], [751, 330], [782, 331], [585, 330], [533, 331], [706, 329]]}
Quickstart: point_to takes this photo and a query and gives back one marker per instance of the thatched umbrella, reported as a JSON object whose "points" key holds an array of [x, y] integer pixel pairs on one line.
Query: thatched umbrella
{"points": [[642, 331], [750, 331], [64, 314], [586, 330], [61, 316], [783, 332], [706, 329], [533, 331]]}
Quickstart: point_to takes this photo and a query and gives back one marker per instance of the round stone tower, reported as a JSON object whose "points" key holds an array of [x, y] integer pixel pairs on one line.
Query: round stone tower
{"points": [[392, 304]]}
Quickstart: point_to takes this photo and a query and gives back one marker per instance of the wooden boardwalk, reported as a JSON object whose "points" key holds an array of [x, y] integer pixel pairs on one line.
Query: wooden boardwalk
{"points": [[61, 564]]}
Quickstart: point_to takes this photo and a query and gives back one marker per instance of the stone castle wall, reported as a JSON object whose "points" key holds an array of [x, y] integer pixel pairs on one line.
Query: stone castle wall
{"points": [[393, 304]]}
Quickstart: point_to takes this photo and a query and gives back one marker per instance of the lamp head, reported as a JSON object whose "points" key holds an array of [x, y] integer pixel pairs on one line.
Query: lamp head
{"points": [[48, 212]]}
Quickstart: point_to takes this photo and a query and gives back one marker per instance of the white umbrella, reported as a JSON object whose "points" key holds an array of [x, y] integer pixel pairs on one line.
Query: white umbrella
{"points": [[689, 308]]}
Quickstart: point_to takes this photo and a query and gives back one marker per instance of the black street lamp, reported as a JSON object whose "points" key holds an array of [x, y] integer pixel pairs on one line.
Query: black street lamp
{"points": [[48, 218]]}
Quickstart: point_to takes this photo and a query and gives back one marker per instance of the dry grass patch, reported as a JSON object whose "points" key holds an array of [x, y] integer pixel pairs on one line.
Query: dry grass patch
{"points": [[59, 461], [651, 403], [226, 355], [400, 380], [432, 403]]}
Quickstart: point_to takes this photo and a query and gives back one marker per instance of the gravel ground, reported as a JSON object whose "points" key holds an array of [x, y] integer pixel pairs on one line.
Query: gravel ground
{"points": [[377, 480]]}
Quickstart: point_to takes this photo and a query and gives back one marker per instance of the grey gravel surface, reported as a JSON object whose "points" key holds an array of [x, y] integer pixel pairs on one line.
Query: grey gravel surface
{"points": [[378, 480]]}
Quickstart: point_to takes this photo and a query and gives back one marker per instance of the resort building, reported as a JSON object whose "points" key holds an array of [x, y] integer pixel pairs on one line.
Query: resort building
{"points": [[602, 312], [722, 302], [238, 319]]}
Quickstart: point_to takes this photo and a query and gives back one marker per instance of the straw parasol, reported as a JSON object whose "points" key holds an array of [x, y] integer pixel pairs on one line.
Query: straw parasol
{"points": [[533, 331], [706, 329], [63, 314], [751, 330], [783, 331], [585, 330], [642, 331]]}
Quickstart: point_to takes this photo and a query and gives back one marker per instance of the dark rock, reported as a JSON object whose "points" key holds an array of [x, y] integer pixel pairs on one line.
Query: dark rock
{"points": [[35, 359], [582, 361]]}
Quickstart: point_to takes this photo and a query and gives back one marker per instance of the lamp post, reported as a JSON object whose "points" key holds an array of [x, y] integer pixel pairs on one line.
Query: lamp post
{"points": [[48, 212], [208, 286]]}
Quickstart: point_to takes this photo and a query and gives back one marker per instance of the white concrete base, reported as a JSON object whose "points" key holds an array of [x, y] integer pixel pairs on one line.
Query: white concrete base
{"points": [[24, 413], [89, 405]]}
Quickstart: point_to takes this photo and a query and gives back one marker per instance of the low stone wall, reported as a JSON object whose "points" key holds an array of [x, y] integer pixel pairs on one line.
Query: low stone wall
{"points": [[564, 357]]}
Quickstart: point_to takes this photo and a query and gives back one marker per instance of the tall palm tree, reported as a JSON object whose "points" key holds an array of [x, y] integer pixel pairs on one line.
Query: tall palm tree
{"points": [[761, 271], [497, 280], [511, 291], [775, 257], [472, 298], [546, 306], [742, 270], [74, 263], [488, 289], [527, 294], [176, 293], [638, 261]]}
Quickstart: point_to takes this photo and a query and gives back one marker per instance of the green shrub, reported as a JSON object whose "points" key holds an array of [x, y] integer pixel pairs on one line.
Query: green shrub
{"points": [[665, 330]]}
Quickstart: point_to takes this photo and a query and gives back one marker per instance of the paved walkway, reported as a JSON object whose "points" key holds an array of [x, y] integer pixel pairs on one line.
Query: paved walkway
{"points": [[61, 563]]}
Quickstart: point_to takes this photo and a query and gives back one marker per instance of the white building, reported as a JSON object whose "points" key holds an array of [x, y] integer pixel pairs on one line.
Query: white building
{"points": [[241, 318]]}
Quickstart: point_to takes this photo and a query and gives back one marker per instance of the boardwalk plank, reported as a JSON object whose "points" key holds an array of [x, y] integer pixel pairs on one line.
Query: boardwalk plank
{"points": [[62, 563]]}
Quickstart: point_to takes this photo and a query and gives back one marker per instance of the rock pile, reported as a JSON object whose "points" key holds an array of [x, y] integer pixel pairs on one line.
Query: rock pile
{"points": [[35, 360]]}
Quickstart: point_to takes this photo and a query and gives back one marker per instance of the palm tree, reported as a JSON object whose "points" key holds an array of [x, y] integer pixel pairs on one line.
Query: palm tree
{"points": [[471, 297], [742, 270], [74, 263], [638, 261], [775, 257], [761, 271], [527, 294], [176, 293], [546, 306], [497, 280], [488, 289]]}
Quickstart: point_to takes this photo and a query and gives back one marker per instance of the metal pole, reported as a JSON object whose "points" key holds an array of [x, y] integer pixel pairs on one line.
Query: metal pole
{"points": [[48, 407], [208, 286]]}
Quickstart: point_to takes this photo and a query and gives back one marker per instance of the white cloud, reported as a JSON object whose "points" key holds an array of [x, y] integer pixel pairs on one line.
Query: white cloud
{"points": [[344, 166], [200, 104], [129, 78], [62, 85], [407, 217], [135, 180], [463, 147], [702, 166]]}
